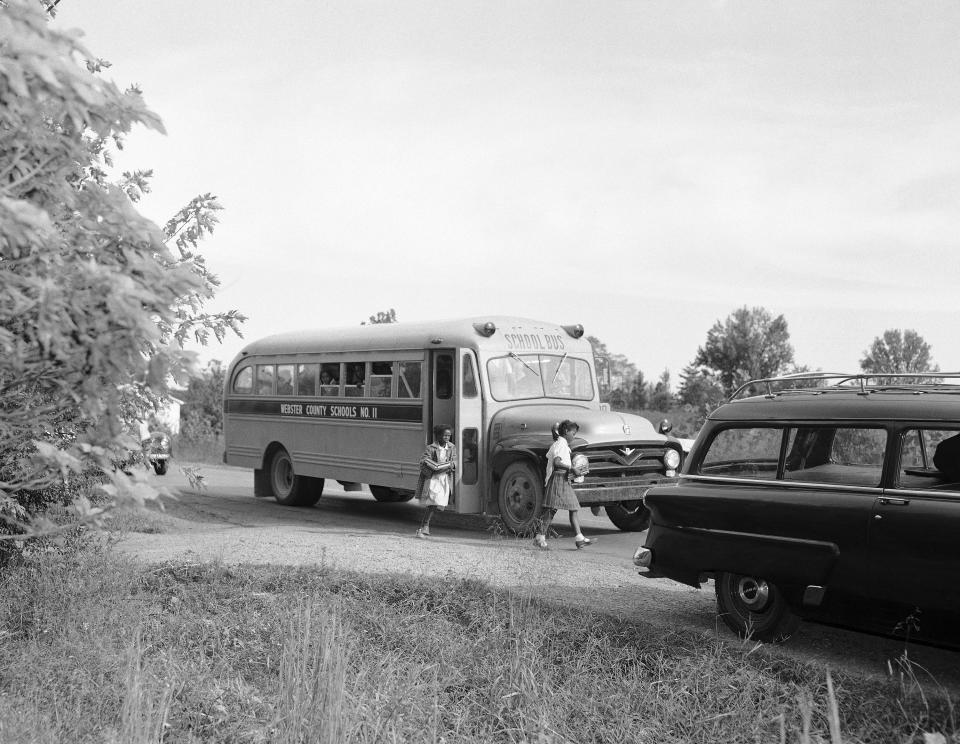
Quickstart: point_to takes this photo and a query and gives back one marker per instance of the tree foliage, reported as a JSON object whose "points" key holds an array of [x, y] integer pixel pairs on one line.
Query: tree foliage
{"points": [[749, 344], [204, 396], [662, 397], [382, 316], [621, 384], [699, 388], [898, 351], [94, 294]]}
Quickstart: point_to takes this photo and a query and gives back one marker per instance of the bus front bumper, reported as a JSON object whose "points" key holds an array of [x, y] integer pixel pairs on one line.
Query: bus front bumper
{"points": [[620, 489]]}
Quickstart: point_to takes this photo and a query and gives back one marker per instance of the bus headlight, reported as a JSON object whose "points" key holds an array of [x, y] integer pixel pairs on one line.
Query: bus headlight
{"points": [[671, 459]]}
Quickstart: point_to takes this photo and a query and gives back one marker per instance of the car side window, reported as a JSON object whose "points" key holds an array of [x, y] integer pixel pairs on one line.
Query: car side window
{"points": [[930, 459], [846, 456], [749, 452]]}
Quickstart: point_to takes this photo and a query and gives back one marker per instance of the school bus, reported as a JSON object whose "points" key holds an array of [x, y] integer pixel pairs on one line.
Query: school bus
{"points": [[358, 405]]}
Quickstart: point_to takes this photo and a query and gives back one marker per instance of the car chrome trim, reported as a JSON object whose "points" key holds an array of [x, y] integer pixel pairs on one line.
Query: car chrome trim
{"points": [[813, 595], [833, 547], [782, 483]]}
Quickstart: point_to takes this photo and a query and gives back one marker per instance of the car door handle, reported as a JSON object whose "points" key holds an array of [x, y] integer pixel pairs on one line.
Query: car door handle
{"points": [[886, 500]]}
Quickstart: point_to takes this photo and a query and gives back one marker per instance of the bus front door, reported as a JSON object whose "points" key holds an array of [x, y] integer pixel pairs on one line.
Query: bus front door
{"points": [[469, 437]]}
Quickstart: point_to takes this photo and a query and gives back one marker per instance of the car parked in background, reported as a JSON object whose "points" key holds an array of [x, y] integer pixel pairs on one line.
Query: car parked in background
{"points": [[157, 450], [828, 497]]}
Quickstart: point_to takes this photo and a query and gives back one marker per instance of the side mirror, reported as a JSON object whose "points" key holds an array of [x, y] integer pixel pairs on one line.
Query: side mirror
{"points": [[665, 427]]}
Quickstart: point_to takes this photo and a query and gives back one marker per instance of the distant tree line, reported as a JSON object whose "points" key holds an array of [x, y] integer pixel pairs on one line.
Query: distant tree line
{"points": [[749, 344]]}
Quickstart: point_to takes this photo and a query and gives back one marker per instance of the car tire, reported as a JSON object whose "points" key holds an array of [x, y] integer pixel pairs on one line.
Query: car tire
{"points": [[160, 467], [629, 516], [291, 489], [520, 498], [754, 608], [386, 495]]}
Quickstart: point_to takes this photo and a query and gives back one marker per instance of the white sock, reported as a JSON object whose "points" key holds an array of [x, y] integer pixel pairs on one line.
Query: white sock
{"points": [[579, 536]]}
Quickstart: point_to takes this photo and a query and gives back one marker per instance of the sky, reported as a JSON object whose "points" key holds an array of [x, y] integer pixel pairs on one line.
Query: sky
{"points": [[641, 168]]}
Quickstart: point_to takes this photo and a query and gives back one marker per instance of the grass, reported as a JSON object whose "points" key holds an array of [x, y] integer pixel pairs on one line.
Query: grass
{"points": [[97, 648]]}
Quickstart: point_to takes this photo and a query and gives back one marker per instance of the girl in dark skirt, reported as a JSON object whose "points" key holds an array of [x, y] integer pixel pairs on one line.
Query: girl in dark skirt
{"points": [[559, 493]]}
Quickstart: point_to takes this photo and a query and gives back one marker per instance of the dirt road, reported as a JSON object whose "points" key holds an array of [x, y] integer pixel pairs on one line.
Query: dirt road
{"points": [[352, 531]]}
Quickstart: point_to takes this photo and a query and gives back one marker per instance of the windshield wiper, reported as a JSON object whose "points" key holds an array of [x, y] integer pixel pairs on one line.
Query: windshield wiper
{"points": [[559, 365], [520, 359]]}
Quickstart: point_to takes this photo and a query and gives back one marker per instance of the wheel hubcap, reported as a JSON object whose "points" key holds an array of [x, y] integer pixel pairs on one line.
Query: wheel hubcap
{"points": [[753, 593], [282, 476], [520, 497]]}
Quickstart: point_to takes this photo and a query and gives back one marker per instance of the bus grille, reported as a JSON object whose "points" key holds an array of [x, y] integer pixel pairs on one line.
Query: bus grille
{"points": [[623, 460]]}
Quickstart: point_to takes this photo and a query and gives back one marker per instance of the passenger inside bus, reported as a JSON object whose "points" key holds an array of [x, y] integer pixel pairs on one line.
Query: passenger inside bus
{"points": [[355, 379], [329, 379]]}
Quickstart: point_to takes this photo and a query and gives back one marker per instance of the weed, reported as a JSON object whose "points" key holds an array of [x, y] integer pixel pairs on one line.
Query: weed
{"points": [[97, 648]]}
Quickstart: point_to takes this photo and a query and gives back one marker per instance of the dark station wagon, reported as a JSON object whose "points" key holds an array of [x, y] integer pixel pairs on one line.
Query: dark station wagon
{"points": [[828, 497]]}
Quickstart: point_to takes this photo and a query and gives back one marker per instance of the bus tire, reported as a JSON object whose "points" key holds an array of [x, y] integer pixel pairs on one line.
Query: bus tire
{"points": [[520, 497], [629, 516], [386, 495], [291, 489]]}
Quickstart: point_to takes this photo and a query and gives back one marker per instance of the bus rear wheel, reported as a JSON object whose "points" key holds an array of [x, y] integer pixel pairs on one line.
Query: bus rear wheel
{"points": [[289, 488], [520, 498], [386, 495], [629, 516]]}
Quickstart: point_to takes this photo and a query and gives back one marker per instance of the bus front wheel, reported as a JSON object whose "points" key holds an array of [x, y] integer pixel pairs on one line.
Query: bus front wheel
{"points": [[520, 497], [629, 516], [289, 488], [386, 495]]}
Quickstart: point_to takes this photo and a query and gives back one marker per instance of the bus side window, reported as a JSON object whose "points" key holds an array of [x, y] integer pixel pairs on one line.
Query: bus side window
{"points": [[307, 379], [264, 379], [408, 384], [469, 378], [330, 379], [444, 381], [243, 382], [284, 379], [356, 374], [381, 379]]}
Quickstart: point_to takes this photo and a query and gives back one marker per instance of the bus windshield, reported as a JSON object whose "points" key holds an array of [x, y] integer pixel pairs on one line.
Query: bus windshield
{"points": [[525, 376]]}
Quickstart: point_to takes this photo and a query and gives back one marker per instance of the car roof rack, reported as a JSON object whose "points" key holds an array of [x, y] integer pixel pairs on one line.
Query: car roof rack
{"points": [[867, 382]]}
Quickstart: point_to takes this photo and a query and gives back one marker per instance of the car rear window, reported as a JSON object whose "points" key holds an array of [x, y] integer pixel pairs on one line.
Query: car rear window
{"points": [[930, 459], [837, 455], [744, 453]]}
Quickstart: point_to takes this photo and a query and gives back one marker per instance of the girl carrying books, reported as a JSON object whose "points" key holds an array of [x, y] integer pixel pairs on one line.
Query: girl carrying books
{"points": [[437, 468]]}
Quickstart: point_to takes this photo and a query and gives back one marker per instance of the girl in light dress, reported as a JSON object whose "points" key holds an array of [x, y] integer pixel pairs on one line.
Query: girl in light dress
{"points": [[559, 493], [437, 466]]}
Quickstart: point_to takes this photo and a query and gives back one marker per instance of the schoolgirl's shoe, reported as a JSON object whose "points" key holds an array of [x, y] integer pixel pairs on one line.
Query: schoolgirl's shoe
{"points": [[583, 543], [423, 534], [541, 542]]}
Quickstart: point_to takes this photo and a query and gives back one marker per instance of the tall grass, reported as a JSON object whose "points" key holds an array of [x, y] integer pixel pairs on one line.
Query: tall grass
{"points": [[98, 649]]}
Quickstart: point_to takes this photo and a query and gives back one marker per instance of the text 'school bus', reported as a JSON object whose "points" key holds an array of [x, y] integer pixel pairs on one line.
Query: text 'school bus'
{"points": [[358, 405]]}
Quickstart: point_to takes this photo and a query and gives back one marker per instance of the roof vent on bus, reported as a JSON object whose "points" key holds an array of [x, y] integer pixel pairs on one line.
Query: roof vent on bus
{"points": [[576, 331], [485, 329]]}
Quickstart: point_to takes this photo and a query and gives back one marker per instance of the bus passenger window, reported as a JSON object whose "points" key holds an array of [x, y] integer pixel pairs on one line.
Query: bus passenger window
{"points": [[243, 382], [356, 372], [330, 379], [307, 379], [469, 378], [264, 379], [381, 379], [408, 382], [444, 380], [284, 379]]}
